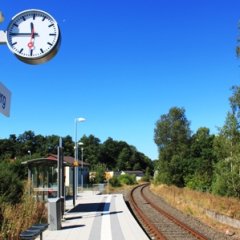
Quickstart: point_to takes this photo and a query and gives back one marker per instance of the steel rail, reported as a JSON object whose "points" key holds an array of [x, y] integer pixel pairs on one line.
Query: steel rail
{"points": [[184, 226], [152, 229]]}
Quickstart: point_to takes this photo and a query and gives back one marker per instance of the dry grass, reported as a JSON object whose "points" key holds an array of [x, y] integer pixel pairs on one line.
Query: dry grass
{"points": [[195, 203], [16, 219], [123, 189]]}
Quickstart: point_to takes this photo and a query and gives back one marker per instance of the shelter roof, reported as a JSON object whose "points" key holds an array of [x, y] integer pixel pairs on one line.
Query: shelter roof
{"points": [[52, 159]]}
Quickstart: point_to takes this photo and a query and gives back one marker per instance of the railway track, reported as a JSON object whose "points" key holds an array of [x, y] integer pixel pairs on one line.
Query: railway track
{"points": [[158, 223]]}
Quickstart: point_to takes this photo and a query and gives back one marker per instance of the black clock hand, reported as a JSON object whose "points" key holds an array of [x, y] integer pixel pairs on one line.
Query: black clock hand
{"points": [[23, 34], [32, 30], [31, 42]]}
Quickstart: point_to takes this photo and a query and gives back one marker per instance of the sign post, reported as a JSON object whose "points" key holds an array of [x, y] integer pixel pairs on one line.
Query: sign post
{"points": [[5, 100]]}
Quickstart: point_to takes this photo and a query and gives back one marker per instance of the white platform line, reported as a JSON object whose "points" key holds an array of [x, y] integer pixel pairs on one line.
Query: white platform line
{"points": [[106, 233]]}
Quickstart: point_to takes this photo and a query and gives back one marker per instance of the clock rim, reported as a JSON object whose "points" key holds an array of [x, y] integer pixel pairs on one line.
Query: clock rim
{"points": [[35, 59]]}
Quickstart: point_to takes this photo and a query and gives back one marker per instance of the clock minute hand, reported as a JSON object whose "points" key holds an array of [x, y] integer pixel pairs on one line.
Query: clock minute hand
{"points": [[31, 42], [32, 30]]}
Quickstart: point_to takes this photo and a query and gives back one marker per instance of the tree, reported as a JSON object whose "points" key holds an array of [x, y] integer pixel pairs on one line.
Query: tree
{"points": [[68, 146], [27, 141], [123, 161], [91, 150], [235, 101], [227, 150], [201, 163], [110, 150], [52, 142], [172, 135]]}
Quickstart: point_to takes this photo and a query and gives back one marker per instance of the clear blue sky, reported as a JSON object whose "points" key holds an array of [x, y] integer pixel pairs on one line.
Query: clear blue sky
{"points": [[121, 65]]}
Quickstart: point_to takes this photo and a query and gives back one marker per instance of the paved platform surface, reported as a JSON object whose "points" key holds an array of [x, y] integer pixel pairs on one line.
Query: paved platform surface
{"points": [[97, 217]]}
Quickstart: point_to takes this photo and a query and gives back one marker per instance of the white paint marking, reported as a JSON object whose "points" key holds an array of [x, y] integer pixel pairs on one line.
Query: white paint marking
{"points": [[106, 233]]}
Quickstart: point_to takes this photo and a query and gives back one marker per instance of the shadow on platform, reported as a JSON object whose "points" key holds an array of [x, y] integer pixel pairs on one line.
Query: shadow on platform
{"points": [[72, 226], [72, 218], [90, 207], [110, 213]]}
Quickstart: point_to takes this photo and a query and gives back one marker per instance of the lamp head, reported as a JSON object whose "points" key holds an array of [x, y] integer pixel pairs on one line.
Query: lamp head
{"points": [[80, 119]]}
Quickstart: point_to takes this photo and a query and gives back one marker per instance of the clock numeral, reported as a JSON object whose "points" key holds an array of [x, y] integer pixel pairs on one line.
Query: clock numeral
{"points": [[34, 15], [24, 19], [52, 34], [15, 25], [31, 52], [21, 50], [43, 18], [41, 50], [49, 43], [14, 43], [51, 25]]}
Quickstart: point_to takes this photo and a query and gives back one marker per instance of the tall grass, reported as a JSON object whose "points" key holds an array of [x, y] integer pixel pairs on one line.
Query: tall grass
{"points": [[16, 218], [196, 203]]}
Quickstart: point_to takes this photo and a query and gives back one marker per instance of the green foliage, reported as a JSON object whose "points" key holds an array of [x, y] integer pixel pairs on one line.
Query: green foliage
{"points": [[235, 101], [147, 176], [91, 150], [123, 161], [172, 136], [226, 178], [202, 161], [116, 155], [115, 181], [100, 173], [28, 144], [11, 186], [227, 149], [127, 179], [198, 182]]}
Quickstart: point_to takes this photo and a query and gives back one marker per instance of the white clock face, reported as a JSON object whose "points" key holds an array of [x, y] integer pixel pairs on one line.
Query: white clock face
{"points": [[33, 35]]}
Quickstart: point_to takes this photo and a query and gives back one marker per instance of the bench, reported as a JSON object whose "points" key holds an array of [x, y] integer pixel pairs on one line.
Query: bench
{"points": [[33, 232]]}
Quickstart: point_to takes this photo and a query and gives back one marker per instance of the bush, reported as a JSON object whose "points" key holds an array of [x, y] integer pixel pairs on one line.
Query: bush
{"points": [[11, 187], [198, 182], [16, 218], [127, 179], [115, 182]]}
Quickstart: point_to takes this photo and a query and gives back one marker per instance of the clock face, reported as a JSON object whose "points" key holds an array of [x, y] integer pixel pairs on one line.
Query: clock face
{"points": [[33, 36]]}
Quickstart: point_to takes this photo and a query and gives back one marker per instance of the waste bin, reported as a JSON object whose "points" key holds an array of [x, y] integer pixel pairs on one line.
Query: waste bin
{"points": [[54, 214]]}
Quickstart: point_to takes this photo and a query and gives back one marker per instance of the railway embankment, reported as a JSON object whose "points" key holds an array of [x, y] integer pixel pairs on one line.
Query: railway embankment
{"points": [[221, 213]]}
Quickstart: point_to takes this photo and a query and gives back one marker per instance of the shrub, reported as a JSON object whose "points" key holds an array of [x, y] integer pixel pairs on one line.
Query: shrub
{"points": [[16, 218], [127, 179], [11, 186], [115, 182]]}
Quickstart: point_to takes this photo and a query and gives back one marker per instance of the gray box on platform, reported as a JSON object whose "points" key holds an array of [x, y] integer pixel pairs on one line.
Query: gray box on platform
{"points": [[54, 214]]}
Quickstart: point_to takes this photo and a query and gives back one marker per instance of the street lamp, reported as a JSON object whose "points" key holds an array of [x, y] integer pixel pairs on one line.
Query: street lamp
{"points": [[81, 144], [77, 120], [30, 153]]}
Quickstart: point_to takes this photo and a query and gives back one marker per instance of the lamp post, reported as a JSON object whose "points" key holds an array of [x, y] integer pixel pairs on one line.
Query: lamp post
{"points": [[77, 120], [81, 144], [30, 153]]}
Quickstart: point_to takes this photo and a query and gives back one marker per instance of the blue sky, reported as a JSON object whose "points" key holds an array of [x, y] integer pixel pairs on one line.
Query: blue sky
{"points": [[121, 65]]}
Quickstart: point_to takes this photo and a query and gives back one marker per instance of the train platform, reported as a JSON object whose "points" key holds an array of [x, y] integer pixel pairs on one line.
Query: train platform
{"points": [[97, 217]]}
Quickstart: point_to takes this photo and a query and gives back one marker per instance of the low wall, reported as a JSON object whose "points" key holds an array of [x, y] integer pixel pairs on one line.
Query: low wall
{"points": [[224, 219]]}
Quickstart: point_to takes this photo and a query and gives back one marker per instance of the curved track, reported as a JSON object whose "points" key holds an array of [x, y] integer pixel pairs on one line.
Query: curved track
{"points": [[158, 222]]}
